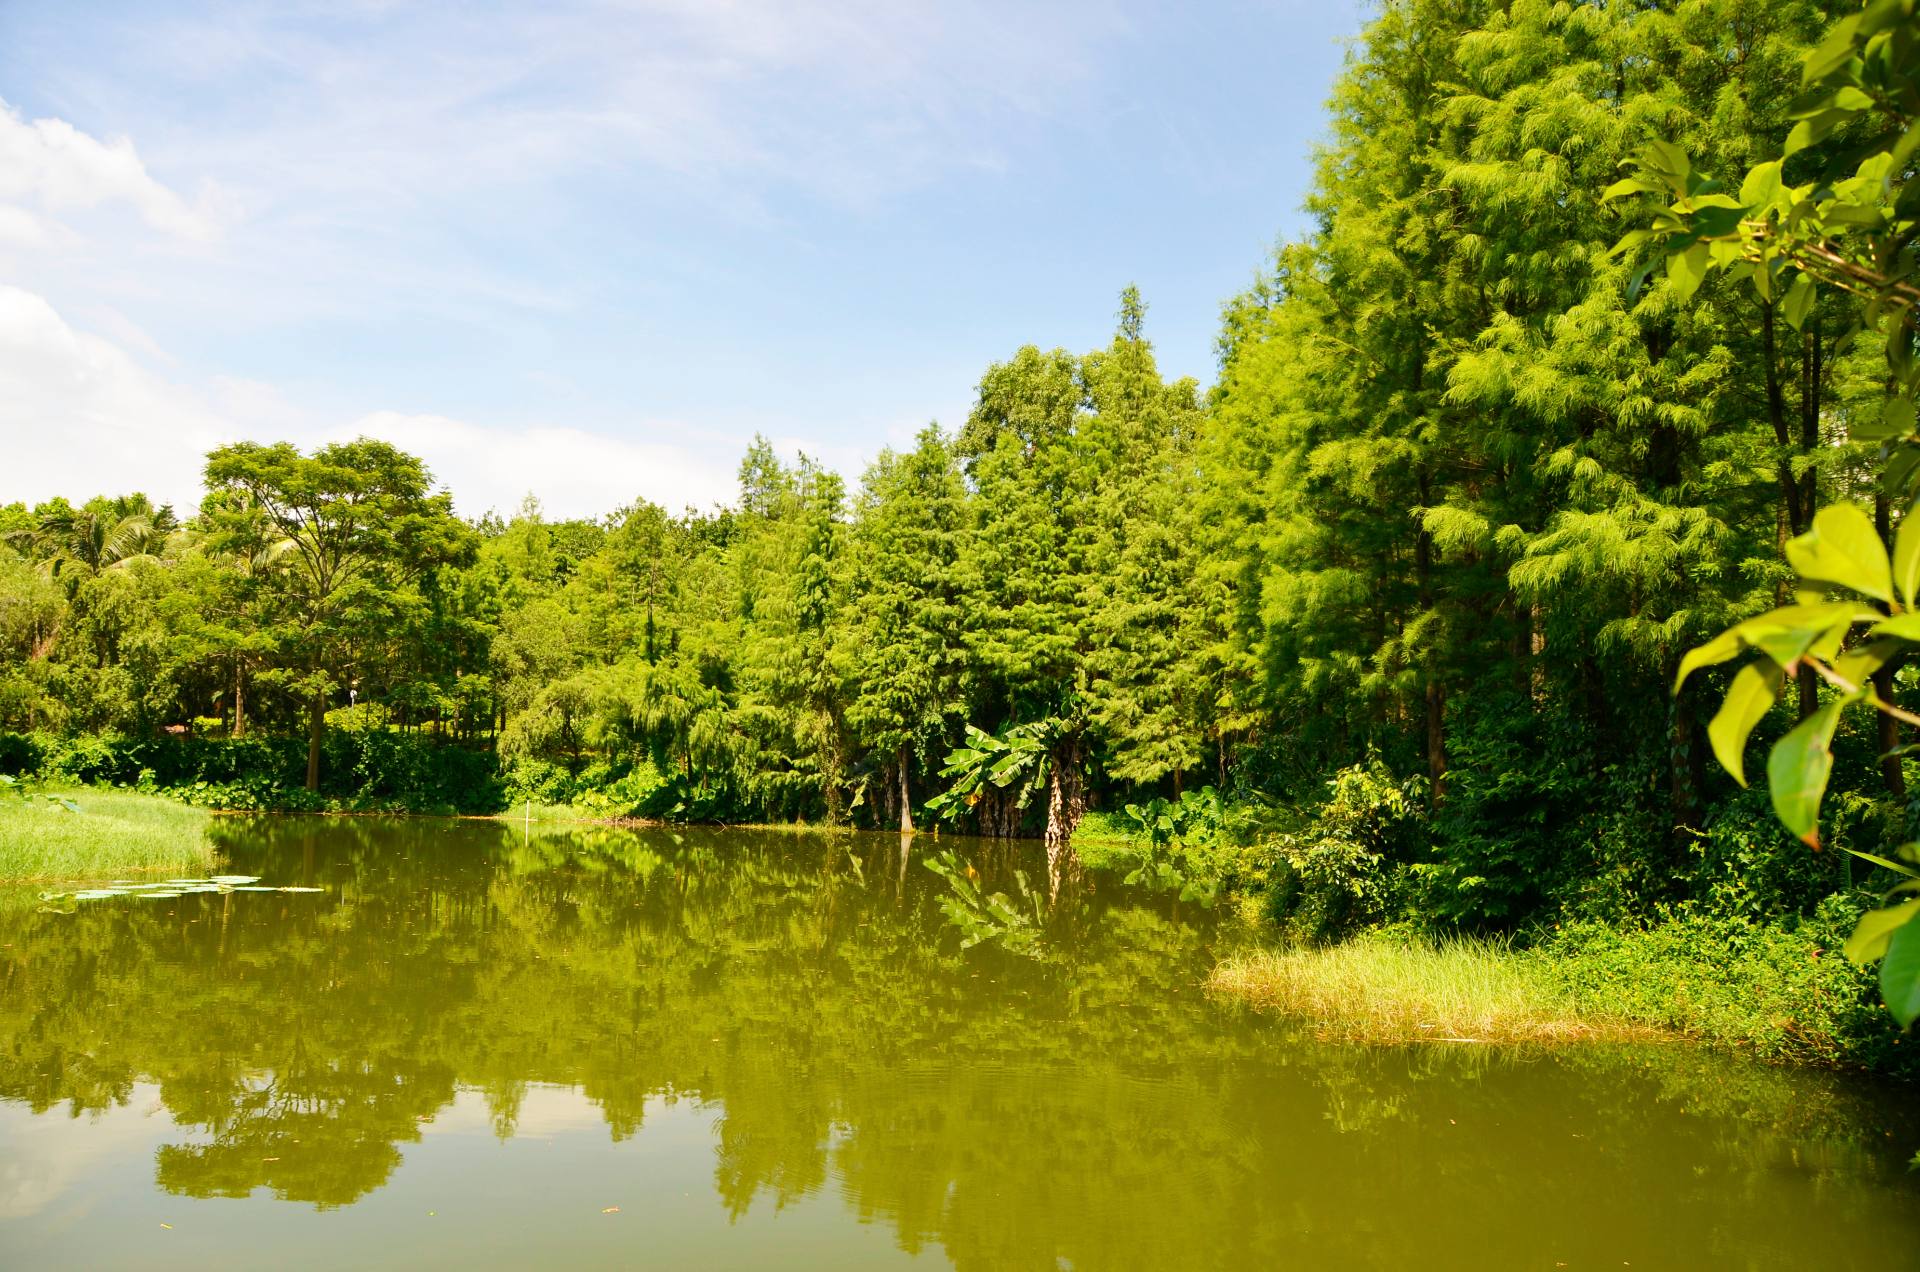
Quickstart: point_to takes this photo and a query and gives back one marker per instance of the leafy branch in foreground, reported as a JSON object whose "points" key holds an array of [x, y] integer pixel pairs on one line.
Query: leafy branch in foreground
{"points": [[1855, 233]]}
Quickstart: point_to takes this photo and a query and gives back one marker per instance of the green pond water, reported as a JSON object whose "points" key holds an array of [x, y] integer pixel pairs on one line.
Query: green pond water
{"points": [[476, 1049]]}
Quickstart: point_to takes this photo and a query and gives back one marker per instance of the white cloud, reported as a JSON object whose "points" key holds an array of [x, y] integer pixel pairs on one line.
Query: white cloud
{"points": [[79, 416], [51, 162], [573, 473], [21, 228]]}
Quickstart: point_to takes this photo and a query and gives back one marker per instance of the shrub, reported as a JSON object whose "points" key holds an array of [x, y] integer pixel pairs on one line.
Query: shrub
{"points": [[1350, 868], [1782, 990]]}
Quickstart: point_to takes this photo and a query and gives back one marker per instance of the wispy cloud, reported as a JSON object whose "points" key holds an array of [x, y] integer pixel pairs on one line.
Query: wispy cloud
{"points": [[50, 163], [82, 416], [572, 472]]}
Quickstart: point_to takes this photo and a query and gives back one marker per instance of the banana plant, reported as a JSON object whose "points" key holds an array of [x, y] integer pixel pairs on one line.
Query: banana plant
{"points": [[1019, 756]]}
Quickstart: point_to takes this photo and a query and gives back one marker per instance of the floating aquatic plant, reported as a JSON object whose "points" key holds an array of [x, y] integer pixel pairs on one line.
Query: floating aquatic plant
{"points": [[168, 889]]}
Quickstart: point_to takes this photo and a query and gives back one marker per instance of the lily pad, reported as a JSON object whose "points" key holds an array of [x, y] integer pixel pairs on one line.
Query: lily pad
{"points": [[156, 895], [301, 889], [236, 880]]}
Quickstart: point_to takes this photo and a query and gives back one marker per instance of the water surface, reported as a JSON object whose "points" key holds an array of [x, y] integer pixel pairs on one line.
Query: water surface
{"points": [[748, 1049]]}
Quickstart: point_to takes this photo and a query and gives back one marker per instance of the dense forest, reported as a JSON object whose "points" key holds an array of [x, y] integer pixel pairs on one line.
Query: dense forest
{"points": [[1404, 591]]}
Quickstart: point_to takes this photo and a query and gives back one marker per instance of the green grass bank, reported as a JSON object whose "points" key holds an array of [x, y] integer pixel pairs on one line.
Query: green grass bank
{"points": [[105, 834], [1775, 992]]}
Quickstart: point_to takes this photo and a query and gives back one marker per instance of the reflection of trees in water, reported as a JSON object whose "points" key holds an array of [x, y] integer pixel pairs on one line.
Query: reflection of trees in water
{"points": [[806, 985]]}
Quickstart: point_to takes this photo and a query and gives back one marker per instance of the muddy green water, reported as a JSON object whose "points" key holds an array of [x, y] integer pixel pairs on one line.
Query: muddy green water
{"points": [[645, 1049]]}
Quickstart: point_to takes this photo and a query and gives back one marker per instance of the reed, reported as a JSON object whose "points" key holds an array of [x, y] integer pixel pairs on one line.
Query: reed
{"points": [[1395, 991]]}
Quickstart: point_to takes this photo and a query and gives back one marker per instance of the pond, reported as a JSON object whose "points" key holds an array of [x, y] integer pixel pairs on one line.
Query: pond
{"points": [[599, 1048]]}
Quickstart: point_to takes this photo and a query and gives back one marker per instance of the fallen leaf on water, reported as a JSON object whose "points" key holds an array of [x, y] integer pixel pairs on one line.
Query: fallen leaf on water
{"points": [[610, 1210], [167, 1226]]}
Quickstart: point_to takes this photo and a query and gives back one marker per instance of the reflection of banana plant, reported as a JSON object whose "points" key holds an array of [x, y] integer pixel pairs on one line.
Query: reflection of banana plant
{"points": [[1020, 755], [990, 916]]}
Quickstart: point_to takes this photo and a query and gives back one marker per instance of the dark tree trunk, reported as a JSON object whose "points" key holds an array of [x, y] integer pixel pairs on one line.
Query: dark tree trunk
{"points": [[1684, 762], [1522, 650], [1436, 737], [1891, 770], [998, 812], [316, 730], [1436, 714], [239, 699], [1066, 802], [1798, 492], [906, 797]]}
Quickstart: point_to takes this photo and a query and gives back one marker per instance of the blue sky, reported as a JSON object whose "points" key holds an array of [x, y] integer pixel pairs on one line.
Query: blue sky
{"points": [[587, 250]]}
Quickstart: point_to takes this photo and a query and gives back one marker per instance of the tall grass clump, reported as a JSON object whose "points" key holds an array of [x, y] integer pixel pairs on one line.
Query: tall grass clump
{"points": [[1391, 990], [98, 834]]}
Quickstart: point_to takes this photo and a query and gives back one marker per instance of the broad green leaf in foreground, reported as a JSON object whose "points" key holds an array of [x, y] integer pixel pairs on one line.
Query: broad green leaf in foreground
{"points": [[1900, 974], [1755, 688], [1798, 768], [1876, 928], [1907, 558], [1843, 548]]}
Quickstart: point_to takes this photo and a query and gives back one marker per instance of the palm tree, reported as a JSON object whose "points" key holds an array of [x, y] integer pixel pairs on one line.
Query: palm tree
{"points": [[104, 535]]}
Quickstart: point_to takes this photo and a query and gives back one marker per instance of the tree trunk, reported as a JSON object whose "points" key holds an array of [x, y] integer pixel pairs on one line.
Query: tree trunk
{"points": [[906, 797], [1436, 737], [998, 812], [1797, 492], [1891, 770], [1809, 681], [1684, 761], [1436, 697], [316, 730], [1522, 650], [1066, 801], [239, 699]]}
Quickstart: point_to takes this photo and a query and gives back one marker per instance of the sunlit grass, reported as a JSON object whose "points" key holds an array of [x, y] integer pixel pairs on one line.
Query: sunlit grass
{"points": [[1390, 991], [114, 833], [542, 812]]}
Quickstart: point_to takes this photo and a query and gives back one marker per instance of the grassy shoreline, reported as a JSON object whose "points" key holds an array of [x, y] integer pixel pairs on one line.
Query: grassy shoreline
{"points": [[1384, 991], [112, 833], [1774, 993]]}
